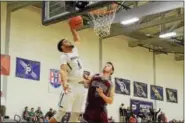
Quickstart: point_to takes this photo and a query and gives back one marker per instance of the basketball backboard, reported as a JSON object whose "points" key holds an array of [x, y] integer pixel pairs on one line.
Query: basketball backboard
{"points": [[56, 11]]}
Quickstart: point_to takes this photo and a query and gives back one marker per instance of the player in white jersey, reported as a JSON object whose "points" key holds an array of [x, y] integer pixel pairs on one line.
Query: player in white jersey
{"points": [[71, 71]]}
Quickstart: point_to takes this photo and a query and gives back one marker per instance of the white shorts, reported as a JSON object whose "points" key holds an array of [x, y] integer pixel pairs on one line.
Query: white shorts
{"points": [[73, 101]]}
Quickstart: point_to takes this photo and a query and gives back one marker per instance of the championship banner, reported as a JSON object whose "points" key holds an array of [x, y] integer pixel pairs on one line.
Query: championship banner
{"points": [[5, 65], [171, 95], [122, 86], [137, 105], [140, 89], [55, 81], [156, 92], [27, 69]]}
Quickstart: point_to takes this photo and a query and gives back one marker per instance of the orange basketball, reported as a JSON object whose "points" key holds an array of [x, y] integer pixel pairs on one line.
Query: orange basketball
{"points": [[76, 22]]}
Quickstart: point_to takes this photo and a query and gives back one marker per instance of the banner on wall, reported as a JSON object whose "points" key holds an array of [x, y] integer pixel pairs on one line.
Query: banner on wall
{"points": [[140, 89], [55, 81], [137, 105], [156, 92], [122, 86], [5, 65], [171, 95], [27, 69]]}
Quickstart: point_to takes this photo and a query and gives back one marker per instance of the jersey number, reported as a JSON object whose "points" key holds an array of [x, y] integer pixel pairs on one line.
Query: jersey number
{"points": [[79, 65]]}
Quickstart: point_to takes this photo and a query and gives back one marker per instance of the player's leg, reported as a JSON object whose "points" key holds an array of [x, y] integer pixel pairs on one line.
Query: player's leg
{"points": [[95, 116], [103, 117], [65, 105], [79, 102], [74, 117], [91, 116]]}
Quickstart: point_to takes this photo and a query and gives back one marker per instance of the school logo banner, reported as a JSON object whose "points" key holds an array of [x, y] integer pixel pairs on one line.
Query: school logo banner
{"points": [[122, 86], [156, 92], [171, 95], [140, 89], [137, 105], [54, 78], [55, 81], [27, 69], [5, 65]]}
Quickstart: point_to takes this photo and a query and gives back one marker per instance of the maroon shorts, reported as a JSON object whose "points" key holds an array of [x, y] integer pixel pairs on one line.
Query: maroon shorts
{"points": [[95, 116]]}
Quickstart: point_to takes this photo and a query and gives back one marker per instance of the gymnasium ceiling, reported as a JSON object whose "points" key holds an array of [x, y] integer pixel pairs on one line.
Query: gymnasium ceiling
{"points": [[144, 33]]}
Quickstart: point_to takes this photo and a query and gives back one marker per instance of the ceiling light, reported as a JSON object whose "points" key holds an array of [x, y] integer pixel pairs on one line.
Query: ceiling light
{"points": [[130, 21], [167, 35]]}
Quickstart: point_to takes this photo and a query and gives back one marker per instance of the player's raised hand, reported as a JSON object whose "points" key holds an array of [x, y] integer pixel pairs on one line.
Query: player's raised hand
{"points": [[100, 91]]}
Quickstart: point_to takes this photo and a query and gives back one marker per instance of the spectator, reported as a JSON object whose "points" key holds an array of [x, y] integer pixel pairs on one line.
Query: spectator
{"points": [[54, 112], [39, 114], [41, 120], [140, 113], [80, 117], [132, 118], [122, 113], [2, 106], [46, 119], [49, 114], [154, 113], [26, 115], [32, 115], [162, 118], [111, 120], [121, 109], [146, 116], [139, 119], [127, 114]]}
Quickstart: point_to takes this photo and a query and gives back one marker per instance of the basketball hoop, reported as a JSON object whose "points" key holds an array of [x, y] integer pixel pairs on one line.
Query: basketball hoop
{"points": [[102, 20]]}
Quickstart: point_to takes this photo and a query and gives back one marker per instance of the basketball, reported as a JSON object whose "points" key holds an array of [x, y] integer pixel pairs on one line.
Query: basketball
{"points": [[76, 22]]}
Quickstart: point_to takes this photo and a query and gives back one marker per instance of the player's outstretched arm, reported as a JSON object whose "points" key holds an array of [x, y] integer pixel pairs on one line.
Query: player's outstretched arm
{"points": [[76, 36], [64, 76]]}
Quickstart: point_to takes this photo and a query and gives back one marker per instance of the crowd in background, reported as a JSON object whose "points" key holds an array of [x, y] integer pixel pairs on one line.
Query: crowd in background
{"points": [[126, 116], [37, 116], [146, 116]]}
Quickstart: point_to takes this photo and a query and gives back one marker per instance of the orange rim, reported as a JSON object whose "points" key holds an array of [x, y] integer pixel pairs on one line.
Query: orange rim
{"points": [[98, 12]]}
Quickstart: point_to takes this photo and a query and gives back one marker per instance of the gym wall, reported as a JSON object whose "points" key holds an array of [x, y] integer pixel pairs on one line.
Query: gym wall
{"points": [[136, 64], [30, 40]]}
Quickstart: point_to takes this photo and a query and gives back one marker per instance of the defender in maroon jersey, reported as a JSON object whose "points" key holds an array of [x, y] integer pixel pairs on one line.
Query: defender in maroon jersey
{"points": [[100, 93]]}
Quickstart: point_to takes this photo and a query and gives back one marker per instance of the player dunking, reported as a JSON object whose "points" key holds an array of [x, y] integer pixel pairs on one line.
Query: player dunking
{"points": [[71, 71], [100, 93]]}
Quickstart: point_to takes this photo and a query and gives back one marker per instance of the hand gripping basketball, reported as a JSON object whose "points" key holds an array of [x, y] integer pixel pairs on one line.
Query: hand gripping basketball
{"points": [[76, 22]]}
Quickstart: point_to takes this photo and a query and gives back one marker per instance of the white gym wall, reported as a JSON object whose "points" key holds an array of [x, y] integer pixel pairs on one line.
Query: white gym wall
{"points": [[30, 40], [136, 64]]}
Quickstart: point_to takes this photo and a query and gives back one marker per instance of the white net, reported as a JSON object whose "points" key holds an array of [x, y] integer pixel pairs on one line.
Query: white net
{"points": [[102, 21]]}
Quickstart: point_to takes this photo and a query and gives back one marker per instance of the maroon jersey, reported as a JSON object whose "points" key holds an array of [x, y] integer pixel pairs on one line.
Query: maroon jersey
{"points": [[93, 98]]}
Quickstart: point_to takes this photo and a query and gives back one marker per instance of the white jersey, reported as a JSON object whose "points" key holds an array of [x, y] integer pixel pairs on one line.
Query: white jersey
{"points": [[75, 68]]}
